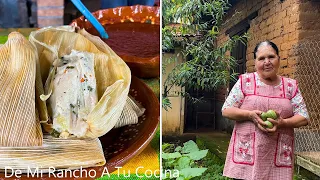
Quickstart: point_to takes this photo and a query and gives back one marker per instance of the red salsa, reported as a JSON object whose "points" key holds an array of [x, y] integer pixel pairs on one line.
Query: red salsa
{"points": [[134, 39]]}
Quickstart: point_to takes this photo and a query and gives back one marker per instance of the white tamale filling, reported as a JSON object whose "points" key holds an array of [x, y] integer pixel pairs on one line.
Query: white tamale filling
{"points": [[74, 93]]}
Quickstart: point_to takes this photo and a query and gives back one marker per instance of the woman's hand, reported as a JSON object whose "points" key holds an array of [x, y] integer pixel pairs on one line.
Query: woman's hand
{"points": [[255, 118]]}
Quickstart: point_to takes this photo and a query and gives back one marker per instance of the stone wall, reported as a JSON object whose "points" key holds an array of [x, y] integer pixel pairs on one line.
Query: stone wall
{"points": [[284, 23], [287, 24]]}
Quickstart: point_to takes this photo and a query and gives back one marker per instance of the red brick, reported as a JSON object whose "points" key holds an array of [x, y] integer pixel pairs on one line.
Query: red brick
{"points": [[286, 38], [263, 38], [292, 76], [275, 18], [281, 71], [278, 40], [285, 4], [293, 36], [283, 63], [277, 33], [285, 46], [278, 25], [272, 10], [250, 51], [51, 12], [294, 8], [288, 70], [293, 26], [265, 30], [250, 69], [282, 14], [293, 18], [284, 54], [50, 3], [270, 35], [266, 14], [290, 28], [259, 19], [50, 22], [269, 20], [250, 62], [286, 22], [278, 8], [263, 25], [250, 57]]}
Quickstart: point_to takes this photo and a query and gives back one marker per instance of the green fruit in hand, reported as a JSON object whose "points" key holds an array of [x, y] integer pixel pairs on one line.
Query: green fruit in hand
{"points": [[264, 116], [272, 114], [269, 124], [269, 114]]}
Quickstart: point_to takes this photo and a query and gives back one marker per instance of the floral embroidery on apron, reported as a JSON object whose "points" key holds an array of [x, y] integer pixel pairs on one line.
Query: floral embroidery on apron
{"points": [[284, 152], [243, 149]]}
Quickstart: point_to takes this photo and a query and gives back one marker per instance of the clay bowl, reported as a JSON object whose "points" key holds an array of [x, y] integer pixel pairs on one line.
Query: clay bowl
{"points": [[134, 34], [122, 144]]}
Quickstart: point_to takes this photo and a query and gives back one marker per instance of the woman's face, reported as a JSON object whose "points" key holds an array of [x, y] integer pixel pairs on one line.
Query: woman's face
{"points": [[267, 61]]}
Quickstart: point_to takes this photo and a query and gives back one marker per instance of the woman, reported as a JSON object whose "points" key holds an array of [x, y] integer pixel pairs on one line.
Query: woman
{"points": [[256, 152]]}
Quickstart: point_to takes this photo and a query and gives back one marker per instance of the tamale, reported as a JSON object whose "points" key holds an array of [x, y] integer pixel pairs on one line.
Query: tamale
{"points": [[19, 125], [112, 75], [74, 94]]}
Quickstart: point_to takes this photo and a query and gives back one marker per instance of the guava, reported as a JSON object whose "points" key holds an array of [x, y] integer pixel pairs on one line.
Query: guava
{"points": [[269, 124], [269, 114], [264, 116], [272, 114]]}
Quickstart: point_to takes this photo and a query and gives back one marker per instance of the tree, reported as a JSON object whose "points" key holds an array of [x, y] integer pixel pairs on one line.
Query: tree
{"points": [[194, 26]]}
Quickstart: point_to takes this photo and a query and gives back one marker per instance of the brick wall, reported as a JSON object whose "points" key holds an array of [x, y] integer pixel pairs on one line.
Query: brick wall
{"points": [[285, 23], [50, 13]]}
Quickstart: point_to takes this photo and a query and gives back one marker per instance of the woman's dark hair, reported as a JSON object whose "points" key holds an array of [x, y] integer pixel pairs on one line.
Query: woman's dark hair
{"points": [[273, 45]]}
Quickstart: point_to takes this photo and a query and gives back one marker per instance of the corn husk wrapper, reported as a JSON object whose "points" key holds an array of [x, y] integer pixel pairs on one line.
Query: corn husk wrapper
{"points": [[113, 76], [131, 113], [55, 154], [19, 123]]}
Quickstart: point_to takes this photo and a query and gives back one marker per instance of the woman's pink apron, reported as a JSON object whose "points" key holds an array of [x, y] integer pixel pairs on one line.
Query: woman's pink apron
{"points": [[253, 154]]}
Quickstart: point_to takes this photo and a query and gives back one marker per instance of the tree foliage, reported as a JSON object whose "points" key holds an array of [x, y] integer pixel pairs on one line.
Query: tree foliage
{"points": [[194, 25]]}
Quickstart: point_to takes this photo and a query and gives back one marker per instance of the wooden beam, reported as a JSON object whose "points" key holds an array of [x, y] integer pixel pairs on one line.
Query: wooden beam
{"points": [[310, 166]]}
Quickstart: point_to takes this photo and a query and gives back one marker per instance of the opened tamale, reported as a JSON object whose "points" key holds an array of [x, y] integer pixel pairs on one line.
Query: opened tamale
{"points": [[112, 77], [19, 124]]}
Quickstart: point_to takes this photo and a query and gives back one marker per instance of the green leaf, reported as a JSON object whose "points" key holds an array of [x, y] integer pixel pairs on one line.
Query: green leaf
{"points": [[165, 176], [192, 172], [169, 164], [198, 154], [171, 155], [189, 146], [179, 148], [165, 146], [183, 162], [180, 178]]}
